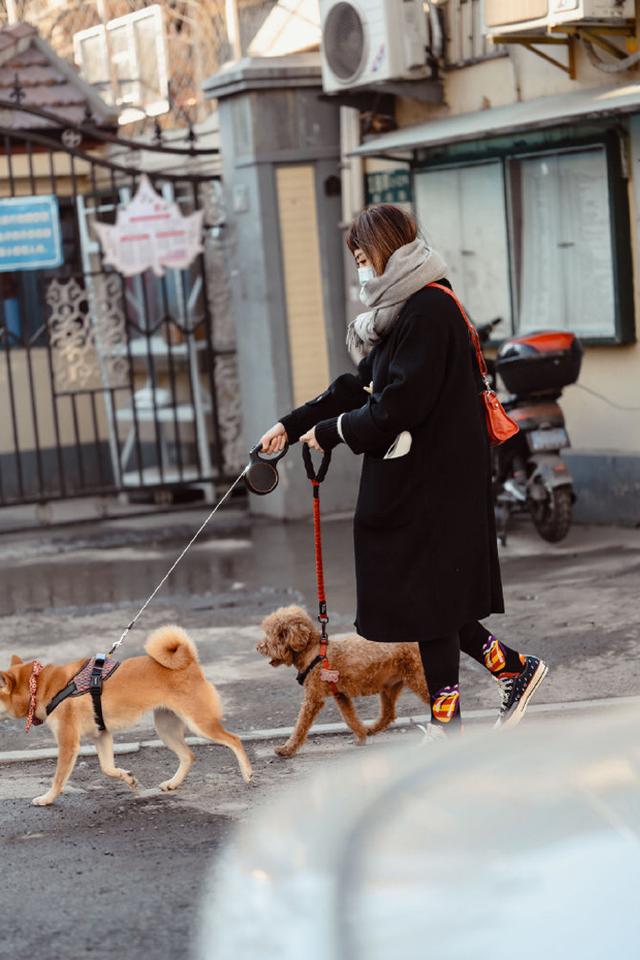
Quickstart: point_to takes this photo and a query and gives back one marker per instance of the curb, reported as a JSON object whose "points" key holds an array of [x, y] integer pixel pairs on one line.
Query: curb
{"points": [[51, 753], [321, 729]]}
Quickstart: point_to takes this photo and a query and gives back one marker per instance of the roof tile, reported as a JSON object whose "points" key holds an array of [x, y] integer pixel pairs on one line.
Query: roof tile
{"points": [[46, 82]]}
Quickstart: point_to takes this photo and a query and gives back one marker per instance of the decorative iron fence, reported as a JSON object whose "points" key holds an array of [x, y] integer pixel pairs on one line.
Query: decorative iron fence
{"points": [[111, 383]]}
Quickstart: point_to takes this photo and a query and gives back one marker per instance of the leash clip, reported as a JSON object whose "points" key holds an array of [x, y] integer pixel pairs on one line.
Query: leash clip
{"points": [[95, 679]]}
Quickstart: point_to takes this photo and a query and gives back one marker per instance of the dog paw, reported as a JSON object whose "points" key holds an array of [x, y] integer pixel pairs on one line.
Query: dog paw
{"points": [[284, 751], [168, 785], [44, 801], [129, 779]]}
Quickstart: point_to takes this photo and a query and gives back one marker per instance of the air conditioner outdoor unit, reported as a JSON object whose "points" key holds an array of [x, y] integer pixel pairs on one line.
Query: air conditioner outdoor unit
{"points": [[502, 17], [367, 42]]}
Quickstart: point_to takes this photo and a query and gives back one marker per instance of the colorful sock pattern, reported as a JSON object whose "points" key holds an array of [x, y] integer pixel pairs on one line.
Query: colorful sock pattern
{"points": [[501, 660], [445, 705]]}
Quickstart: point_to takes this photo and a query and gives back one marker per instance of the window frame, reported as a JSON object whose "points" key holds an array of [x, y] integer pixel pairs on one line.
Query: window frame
{"points": [[460, 155]]}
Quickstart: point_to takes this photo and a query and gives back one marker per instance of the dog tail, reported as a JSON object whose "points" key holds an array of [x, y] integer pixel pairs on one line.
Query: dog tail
{"points": [[171, 647]]}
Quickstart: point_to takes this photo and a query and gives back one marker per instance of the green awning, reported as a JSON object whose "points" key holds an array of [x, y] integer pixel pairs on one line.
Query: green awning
{"points": [[585, 105]]}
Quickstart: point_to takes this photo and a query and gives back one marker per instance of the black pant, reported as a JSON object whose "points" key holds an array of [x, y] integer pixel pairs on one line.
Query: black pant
{"points": [[441, 657]]}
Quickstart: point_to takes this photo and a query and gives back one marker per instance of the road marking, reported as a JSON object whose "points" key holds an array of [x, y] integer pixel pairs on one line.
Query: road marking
{"points": [[326, 729]]}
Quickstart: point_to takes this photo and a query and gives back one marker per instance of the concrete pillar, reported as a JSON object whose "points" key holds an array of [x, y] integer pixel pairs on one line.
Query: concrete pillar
{"points": [[271, 118]]}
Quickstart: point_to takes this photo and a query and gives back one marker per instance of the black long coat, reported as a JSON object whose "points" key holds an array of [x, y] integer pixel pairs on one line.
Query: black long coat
{"points": [[424, 529]]}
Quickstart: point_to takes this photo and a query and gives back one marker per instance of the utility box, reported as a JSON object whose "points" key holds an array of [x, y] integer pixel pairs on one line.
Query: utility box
{"points": [[504, 17], [371, 42]]}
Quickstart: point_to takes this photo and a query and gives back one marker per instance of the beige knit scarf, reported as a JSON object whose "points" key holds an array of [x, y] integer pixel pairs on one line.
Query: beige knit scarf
{"points": [[408, 269]]}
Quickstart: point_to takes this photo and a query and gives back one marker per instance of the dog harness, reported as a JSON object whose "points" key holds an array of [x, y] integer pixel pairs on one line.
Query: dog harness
{"points": [[89, 679], [327, 674]]}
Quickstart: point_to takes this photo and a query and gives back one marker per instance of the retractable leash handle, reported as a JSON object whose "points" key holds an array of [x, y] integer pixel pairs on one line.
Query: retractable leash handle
{"points": [[261, 475], [254, 454]]}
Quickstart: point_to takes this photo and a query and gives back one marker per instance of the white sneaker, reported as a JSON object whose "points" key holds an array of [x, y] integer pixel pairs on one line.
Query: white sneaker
{"points": [[432, 733]]}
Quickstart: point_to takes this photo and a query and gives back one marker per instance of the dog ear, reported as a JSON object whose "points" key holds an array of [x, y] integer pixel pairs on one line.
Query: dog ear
{"points": [[7, 682], [298, 632], [15, 660]]}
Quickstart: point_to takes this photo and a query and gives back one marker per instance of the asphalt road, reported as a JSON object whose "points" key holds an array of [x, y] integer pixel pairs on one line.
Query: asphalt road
{"points": [[109, 873]]}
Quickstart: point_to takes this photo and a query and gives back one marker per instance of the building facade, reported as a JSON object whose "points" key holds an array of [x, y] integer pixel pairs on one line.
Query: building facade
{"points": [[527, 178], [523, 170]]}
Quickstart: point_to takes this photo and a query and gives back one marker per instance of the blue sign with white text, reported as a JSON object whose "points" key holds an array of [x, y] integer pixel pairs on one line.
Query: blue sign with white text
{"points": [[30, 235]]}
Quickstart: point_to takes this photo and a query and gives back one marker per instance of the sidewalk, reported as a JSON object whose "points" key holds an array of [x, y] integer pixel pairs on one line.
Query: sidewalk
{"points": [[58, 514], [108, 851], [70, 592]]}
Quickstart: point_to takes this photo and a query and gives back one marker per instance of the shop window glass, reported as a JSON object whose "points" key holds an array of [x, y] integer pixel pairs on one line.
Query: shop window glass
{"points": [[562, 242], [462, 212]]}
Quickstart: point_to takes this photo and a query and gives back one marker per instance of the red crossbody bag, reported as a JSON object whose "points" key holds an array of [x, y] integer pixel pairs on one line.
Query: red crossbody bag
{"points": [[500, 426]]}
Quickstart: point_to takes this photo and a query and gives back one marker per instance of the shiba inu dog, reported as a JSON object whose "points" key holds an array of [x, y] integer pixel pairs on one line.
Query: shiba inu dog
{"points": [[169, 681]]}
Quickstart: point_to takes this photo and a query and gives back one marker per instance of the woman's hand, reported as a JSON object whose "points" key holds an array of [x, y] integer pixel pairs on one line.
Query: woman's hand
{"points": [[310, 438], [273, 440]]}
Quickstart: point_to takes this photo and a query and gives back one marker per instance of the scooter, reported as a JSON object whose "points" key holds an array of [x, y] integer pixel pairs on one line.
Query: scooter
{"points": [[529, 474]]}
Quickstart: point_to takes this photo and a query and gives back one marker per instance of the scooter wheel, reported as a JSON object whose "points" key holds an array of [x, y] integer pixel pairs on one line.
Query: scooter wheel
{"points": [[552, 516]]}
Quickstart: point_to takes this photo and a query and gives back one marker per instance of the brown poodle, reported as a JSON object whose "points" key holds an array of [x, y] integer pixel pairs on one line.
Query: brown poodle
{"points": [[364, 668]]}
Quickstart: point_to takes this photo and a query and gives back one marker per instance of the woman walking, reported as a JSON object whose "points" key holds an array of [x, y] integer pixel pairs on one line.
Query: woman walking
{"points": [[427, 566]]}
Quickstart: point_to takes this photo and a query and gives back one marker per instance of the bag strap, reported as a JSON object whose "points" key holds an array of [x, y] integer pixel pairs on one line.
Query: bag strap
{"points": [[472, 331]]}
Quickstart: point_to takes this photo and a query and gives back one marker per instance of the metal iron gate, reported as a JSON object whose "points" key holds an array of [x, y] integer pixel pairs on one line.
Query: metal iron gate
{"points": [[112, 384]]}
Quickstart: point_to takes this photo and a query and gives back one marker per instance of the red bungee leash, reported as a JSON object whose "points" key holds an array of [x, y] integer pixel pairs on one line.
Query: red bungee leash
{"points": [[331, 676]]}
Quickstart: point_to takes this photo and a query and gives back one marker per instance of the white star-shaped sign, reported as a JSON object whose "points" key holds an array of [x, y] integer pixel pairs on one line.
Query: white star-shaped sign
{"points": [[150, 233]]}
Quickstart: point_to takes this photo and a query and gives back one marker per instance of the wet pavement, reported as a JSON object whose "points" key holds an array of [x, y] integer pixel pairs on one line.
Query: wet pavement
{"points": [[138, 858], [121, 561], [70, 592]]}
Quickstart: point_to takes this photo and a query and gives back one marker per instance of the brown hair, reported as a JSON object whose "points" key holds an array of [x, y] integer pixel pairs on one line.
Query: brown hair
{"points": [[379, 231]]}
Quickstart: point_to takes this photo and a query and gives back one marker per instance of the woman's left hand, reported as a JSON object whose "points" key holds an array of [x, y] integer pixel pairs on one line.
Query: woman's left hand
{"points": [[310, 438]]}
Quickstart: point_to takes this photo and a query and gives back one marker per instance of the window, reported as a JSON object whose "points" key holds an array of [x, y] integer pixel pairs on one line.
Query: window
{"points": [[562, 246], [462, 212], [126, 61], [538, 238]]}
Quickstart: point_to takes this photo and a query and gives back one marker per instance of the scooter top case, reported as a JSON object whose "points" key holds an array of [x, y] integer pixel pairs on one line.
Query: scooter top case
{"points": [[539, 363]]}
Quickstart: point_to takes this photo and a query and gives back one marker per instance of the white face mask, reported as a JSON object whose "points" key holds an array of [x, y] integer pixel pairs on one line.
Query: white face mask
{"points": [[365, 273]]}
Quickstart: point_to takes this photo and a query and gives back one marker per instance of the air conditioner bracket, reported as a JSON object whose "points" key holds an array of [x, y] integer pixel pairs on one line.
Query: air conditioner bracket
{"points": [[533, 42]]}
